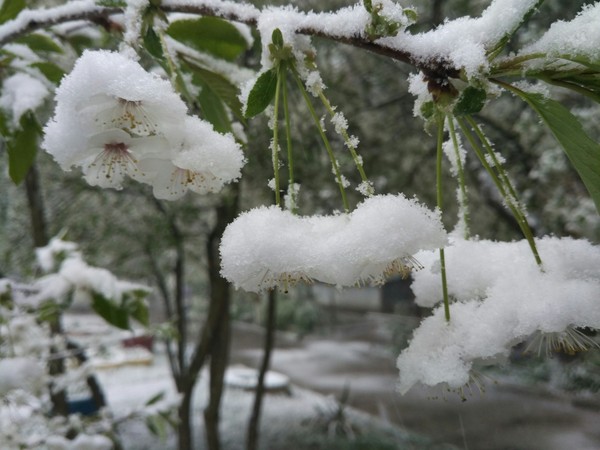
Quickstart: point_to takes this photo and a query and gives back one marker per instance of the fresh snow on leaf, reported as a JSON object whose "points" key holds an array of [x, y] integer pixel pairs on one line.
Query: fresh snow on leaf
{"points": [[579, 37], [21, 93]]}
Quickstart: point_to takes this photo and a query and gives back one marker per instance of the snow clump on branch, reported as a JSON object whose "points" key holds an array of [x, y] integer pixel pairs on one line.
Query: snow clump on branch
{"points": [[268, 247], [116, 120]]}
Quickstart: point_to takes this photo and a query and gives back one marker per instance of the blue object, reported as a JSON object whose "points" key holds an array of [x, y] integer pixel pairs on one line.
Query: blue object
{"points": [[84, 406]]}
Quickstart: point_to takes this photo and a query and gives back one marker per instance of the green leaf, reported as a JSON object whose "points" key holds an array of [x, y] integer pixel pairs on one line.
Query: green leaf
{"points": [[50, 70], [48, 311], [135, 305], [109, 311], [11, 9], [155, 398], [505, 39], [213, 110], [471, 101], [157, 426], [210, 34], [112, 3], [582, 151], [219, 87], [22, 147], [40, 43], [152, 44], [4, 131], [277, 37], [262, 93]]}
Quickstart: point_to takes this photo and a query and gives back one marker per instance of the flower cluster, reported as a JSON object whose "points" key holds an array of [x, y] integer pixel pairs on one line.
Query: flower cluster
{"points": [[502, 298], [268, 247], [116, 120]]}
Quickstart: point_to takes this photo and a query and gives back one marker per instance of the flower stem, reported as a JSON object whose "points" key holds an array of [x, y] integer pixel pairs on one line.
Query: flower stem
{"points": [[177, 79], [501, 181], [288, 136], [334, 164], [347, 140], [462, 198], [438, 183], [275, 143]]}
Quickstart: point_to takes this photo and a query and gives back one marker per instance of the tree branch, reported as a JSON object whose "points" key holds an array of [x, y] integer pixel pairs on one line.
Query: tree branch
{"points": [[31, 20]]}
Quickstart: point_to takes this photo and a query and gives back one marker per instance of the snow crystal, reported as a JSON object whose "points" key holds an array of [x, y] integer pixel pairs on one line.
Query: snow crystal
{"points": [[502, 298], [21, 93], [366, 188], [314, 83], [267, 247], [577, 38], [339, 122], [456, 156]]}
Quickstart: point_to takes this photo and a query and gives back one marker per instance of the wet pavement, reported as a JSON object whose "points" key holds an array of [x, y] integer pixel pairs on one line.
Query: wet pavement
{"points": [[508, 416]]}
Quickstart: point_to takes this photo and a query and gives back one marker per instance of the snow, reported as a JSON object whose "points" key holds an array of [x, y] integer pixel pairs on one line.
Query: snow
{"points": [[502, 298], [28, 16], [21, 93], [577, 38], [246, 378], [463, 42], [133, 27], [242, 11], [456, 156], [22, 372], [51, 255], [268, 247], [116, 120]]}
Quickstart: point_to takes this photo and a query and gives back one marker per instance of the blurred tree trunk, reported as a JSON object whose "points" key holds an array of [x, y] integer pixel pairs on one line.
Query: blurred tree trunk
{"points": [[39, 234], [220, 298], [254, 422], [213, 341], [35, 201]]}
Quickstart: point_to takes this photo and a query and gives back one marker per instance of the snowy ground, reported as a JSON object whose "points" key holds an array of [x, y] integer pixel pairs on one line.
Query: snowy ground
{"points": [[507, 416], [291, 420]]}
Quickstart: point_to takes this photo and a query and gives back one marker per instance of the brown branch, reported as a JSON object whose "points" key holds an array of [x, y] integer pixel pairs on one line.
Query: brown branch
{"points": [[31, 20]]}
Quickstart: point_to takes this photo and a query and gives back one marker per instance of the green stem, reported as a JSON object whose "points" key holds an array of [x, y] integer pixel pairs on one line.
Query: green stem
{"points": [[503, 176], [334, 164], [288, 136], [347, 140], [509, 66], [275, 143], [438, 183], [507, 196], [463, 199], [174, 72]]}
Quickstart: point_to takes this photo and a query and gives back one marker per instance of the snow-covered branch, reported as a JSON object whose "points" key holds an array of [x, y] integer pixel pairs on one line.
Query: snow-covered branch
{"points": [[311, 24]]}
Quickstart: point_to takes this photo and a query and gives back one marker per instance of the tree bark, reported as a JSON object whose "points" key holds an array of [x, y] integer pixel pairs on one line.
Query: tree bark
{"points": [[254, 422], [184, 429], [220, 297], [39, 229]]}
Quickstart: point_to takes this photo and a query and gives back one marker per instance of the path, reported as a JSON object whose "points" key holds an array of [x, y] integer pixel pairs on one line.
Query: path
{"points": [[505, 417]]}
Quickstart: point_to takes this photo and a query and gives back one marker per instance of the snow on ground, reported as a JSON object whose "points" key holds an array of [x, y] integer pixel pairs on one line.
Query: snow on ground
{"points": [[289, 420]]}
